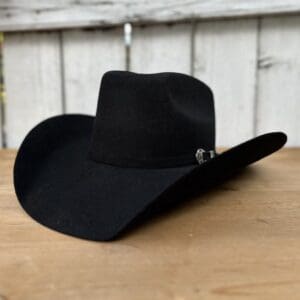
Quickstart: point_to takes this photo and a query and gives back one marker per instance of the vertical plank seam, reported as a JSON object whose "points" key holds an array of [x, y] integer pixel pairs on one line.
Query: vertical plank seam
{"points": [[3, 143], [257, 75], [62, 72], [2, 94], [2, 125], [192, 47], [127, 40]]}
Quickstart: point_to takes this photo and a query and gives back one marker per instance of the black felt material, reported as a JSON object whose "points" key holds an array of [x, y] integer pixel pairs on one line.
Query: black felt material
{"points": [[93, 177], [152, 120]]}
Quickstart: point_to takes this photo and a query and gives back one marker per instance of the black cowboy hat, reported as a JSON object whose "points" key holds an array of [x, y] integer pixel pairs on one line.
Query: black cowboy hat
{"points": [[153, 137]]}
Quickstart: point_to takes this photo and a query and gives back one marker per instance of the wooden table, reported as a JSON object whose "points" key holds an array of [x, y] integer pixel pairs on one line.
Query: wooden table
{"points": [[240, 241]]}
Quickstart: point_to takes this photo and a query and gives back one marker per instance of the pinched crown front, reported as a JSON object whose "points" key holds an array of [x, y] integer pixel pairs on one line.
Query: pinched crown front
{"points": [[152, 120]]}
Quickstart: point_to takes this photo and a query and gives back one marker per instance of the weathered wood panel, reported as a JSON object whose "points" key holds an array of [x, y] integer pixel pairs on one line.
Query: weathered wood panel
{"points": [[46, 72], [279, 77], [33, 14], [86, 56], [161, 48], [32, 80], [225, 58]]}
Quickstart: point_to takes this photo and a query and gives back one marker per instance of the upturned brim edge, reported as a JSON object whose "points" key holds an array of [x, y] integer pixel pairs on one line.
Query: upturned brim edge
{"points": [[59, 187]]}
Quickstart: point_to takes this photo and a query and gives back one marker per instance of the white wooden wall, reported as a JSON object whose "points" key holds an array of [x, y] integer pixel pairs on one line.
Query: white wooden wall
{"points": [[252, 64]]}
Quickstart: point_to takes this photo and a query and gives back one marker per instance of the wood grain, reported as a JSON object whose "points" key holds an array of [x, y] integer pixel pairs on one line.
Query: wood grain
{"points": [[16, 15], [240, 240], [33, 83], [225, 58], [278, 105]]}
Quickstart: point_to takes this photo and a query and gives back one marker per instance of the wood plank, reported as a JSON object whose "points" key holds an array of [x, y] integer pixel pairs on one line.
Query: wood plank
{"points": [[32, 81], [279, 78], [16, 15], [225, 58], [87, 56], [150, 51], [241, 241]]}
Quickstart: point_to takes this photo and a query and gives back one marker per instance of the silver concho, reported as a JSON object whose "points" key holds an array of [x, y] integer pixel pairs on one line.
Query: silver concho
{"points": [[203, 156]]}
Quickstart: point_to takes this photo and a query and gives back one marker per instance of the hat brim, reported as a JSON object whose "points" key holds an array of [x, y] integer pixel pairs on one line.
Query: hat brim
{"points": [[58, 186]]}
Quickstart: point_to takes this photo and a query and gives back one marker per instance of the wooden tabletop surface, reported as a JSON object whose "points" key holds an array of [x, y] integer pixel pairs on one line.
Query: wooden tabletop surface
{"points": [[240, 241]]}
